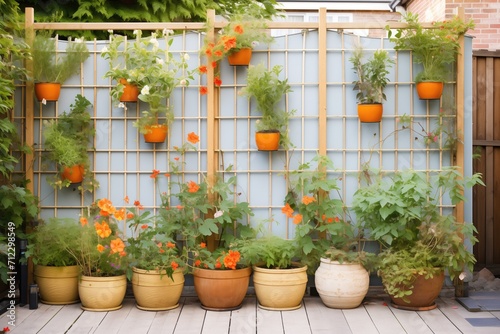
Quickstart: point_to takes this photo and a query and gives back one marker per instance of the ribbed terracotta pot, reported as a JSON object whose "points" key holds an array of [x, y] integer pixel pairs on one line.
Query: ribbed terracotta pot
{"points": [[221, 290], [424, 293], [267, 140], [280, 289], [155, 291], [156, 133], [74, 173], [370, 112], [102, 293], [430, 90], [49, 91], [57, 285], [341, 285], [130, 92], [241, 57]]}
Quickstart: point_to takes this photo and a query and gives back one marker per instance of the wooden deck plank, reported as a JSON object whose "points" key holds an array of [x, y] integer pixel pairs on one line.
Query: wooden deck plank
{"points": [[438, 322], [192, 317], [359, 321], [88, 322], [21, 314], [269, 322], [216, 322], [244, 320], [411, 322], [165, 321], [137, 321], [323, 319], [113, 320], [63, 320], [383, 318], [295, 321], [37, 320]]}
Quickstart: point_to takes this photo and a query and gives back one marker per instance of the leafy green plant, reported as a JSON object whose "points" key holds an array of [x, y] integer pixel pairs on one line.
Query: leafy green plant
{"points": [[266, 87], [434, 48], [372, 75], [270, 252], [67, 140], [52, 66]]}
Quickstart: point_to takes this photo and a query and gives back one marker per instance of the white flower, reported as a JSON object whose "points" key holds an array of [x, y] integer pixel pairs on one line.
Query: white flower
{"points": [[167, 32], [186, 56], [104, 49], [110, 31], [78, 40], [183, 82], [121, 105], [160, 61], [155, 43], [254, 44], [462, 276], [135, 32], [145, 90], [218, 214], [257, 121], [44, 101]]}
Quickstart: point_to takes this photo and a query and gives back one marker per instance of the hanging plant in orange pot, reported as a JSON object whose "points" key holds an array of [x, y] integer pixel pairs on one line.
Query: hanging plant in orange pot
{"points": [[130, 92], [241, 57], [372, 79], [267, 89]]}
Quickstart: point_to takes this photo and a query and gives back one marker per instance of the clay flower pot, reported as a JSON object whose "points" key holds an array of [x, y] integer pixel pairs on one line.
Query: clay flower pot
{"points": [[156, 133], [430, 90], [268, 140], [370, 113], [240, 58], [49, 91]]}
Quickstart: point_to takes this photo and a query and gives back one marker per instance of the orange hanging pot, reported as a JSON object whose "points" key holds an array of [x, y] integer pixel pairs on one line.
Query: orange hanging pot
{"points": [[241, 57], [73, 174], [370, 112], [267, 140], [155, 133], [130, 92], [49, 91], [429, 90]]}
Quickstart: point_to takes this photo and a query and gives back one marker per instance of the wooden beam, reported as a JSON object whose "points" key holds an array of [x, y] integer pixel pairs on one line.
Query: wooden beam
{"points": [[322, 34]]}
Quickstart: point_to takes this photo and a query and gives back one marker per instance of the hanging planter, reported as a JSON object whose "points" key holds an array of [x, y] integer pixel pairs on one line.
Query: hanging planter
{"points": [[155, 291], [102, 293], [156, 133], [221, 290], [73, 174], [58, 285], [370, 112], [241, 57], [429, 90], [49, 91], [267, 140], [130, 92]]}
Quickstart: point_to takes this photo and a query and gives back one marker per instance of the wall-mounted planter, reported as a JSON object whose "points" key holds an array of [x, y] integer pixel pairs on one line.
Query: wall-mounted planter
{"points": [[74, 174], [429, 90], [267, 141], [370, 113], [240, 58], [156, 133], [49, 91], [130, 92]]}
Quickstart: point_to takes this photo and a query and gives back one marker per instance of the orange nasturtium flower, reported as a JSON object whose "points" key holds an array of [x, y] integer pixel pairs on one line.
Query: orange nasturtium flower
{"points": [[193, 187], [287, 210], [232, 259], [144, 226], [297, 219], [83, 221], [218, 264], [193, 138], [197, 263], [102, 229], [238, 29], [126, 199], [214, 64], [117, 246], [202, 69], [170, 245], [217, 81], [100, 248], [154, 174], [174, 265], [120, 214], [106, 207], [203, 90], [130, 215], [308, 200], [203, 245]]}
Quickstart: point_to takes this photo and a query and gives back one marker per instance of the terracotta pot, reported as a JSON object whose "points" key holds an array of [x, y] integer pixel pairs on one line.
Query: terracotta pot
{"points": [[49, 91], [280, 289], [241, 57], [58, 285], [221, 290], [102, 293], [370, 113], [156, 133], [341, 285], [74, 173], [424, 293], [130, 92], [155, 291], [268, 140], [429, 90]]}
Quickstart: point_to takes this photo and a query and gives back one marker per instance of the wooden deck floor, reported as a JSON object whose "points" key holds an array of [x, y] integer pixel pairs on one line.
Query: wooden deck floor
{"points": [[374, 316]]}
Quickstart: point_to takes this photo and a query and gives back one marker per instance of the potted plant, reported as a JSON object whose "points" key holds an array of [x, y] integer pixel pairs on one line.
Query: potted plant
{"points": [[372, 79], [51, 68], [266, 87], [402, 211], [155, 71], [67, 140], [434, 48], [50, 246], [325, 237]]}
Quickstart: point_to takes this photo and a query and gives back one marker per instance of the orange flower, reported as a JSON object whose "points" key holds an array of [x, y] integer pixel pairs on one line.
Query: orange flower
{"points": [[170, 245], [238, 29], [203, 90], [329, 220], [123, 253], [202, 69], [100, 248], [203, 245], [336, 219], [287, 210], [120, 214], [229, 43], [217, 81], [144, 226], [232, 259], [197, 263], [218, 53], [102, 229], [126, 199], [308, 200], [167, 174], [174, 265], [130, 215], [137, 203], [193, 187], [193, 138], [83, 221], [155, 174], [218, 265], [106, 207], [297, 219], [117, 246], [214, 64], [179, 207]]}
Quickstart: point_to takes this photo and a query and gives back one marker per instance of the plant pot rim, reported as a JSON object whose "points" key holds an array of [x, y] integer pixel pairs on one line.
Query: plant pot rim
{"points": [[208, 273], [296, 267], [154, 271], [335, 262], [268, 131]]}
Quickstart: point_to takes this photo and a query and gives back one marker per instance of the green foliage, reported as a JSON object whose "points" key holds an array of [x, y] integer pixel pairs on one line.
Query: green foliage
{"points": [[434, 48], [270, 252], [51, 243], [266, 87], [52, 66], [372, 75], [66, 141]]}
